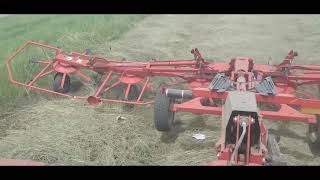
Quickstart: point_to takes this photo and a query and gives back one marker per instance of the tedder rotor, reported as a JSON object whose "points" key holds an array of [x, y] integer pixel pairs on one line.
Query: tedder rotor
{"points": [[237, 91]]}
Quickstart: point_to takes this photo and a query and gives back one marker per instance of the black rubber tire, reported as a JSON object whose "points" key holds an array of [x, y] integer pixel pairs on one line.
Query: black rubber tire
{"points": [[57, 81], [163, 117], [313, 133], [133, 95], [88, 52]]}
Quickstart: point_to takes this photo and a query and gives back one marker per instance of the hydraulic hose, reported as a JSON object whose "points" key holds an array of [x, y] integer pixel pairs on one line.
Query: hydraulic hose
{"points": [[244, 129]]}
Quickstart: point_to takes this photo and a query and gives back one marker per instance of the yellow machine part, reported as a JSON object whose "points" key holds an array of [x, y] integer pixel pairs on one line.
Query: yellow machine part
{"points": [[310, 110]]}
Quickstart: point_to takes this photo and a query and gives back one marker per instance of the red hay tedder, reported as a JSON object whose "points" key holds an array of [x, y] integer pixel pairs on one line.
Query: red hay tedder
{"points": [[236, 91]]}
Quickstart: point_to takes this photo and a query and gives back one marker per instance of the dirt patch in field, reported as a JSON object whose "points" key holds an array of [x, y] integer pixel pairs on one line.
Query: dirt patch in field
{"points": [[68, 132]]}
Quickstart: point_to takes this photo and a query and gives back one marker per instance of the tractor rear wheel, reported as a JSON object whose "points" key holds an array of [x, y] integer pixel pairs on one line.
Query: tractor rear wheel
{"points": [[57, 83], [163, 117]]}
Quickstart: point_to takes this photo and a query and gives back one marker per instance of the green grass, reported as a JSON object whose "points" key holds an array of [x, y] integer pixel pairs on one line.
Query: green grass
{"points": [[71, 32]]}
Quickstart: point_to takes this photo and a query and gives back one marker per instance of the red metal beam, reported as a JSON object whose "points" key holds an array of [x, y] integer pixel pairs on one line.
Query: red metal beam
{"points": [[277, 99], [286, 113]]}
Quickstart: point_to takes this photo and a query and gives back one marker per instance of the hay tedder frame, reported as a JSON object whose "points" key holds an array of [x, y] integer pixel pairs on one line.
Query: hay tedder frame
{"points": [[242, 92]]}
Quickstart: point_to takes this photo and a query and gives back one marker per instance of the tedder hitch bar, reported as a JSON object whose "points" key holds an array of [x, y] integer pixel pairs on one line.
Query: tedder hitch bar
{"points": [[241, 92]]}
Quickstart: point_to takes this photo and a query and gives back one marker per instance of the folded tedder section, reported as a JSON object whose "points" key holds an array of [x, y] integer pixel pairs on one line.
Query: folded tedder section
{"points": [[236, 91]]}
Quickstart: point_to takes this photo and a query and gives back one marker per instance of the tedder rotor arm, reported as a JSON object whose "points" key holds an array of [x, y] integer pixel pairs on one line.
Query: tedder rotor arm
{"points": [[41, 74], [128, 73]]}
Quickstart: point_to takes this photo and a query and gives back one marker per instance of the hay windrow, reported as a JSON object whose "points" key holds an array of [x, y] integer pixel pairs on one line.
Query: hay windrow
{"points": [[67, 132]]}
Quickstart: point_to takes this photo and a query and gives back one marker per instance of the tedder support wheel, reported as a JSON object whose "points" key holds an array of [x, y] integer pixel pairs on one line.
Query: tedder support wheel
{"points": [[57, 81], [133, 95], [314, 133], [163, 117]]}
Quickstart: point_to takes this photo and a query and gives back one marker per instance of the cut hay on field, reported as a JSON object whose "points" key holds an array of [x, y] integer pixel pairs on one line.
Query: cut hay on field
{"points": [[67, 132]]}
